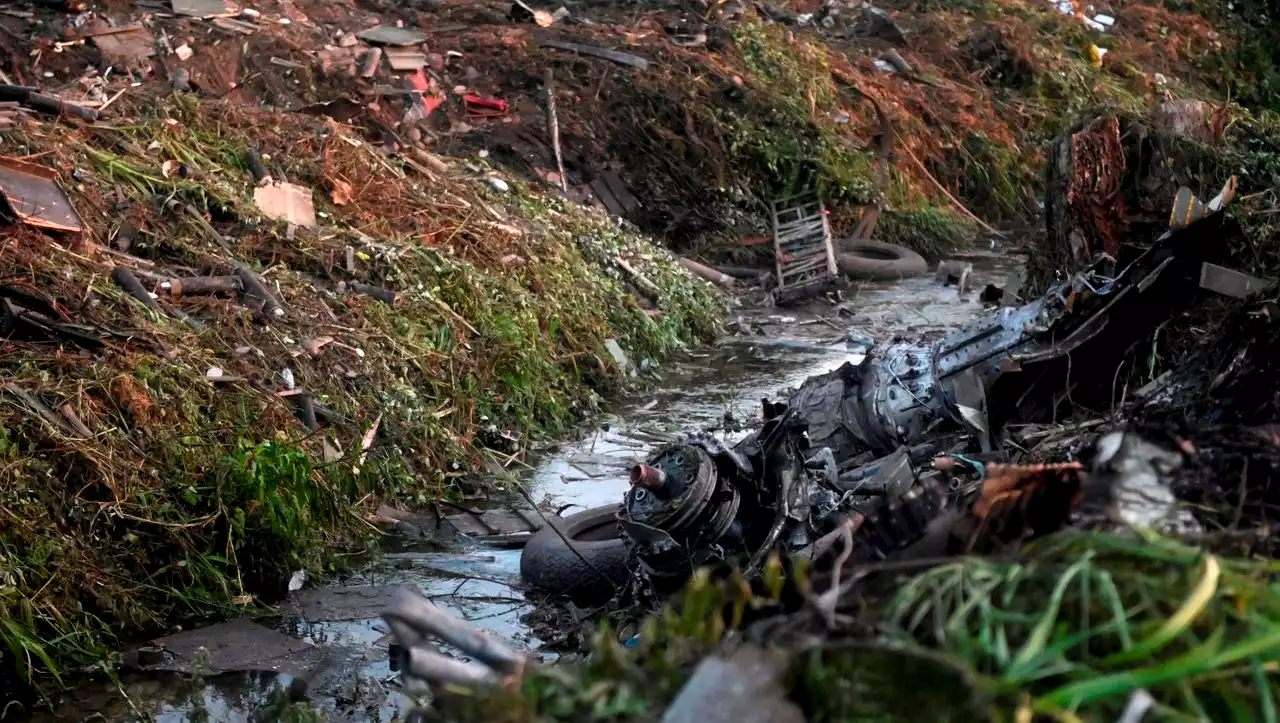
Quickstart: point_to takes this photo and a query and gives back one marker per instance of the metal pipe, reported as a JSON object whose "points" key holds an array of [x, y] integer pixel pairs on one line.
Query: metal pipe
{"points": [[706, 272]]}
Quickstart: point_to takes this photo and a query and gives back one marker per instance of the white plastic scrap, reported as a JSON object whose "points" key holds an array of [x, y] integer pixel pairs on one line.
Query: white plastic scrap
{"points": [[1139, 496], [1099, 21], [1140, 701], [296, 581], [286, 376]]}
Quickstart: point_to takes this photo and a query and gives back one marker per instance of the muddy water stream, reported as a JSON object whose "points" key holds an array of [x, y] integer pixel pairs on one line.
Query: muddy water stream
{"points": [[332, 635]]}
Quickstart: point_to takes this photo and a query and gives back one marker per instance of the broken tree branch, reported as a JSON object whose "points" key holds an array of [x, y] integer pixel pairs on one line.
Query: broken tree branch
{"points": [[35, 100], [69, 414], [427, 620], [125, 279], [938, 184], [44, 412], [647, 287], [255, 289], [203, 285], [553, 128], [304, 409], [375, 292]]}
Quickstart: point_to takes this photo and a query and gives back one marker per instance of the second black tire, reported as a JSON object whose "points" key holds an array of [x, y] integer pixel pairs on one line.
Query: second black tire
{"points": [[548, 565], [878, 261]]}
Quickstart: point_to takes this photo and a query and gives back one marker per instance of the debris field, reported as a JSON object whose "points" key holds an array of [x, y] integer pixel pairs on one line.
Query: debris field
{"points": [[275, 271]]}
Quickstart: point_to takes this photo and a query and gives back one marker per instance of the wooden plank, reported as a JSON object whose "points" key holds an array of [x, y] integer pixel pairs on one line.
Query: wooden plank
{"points": [[777, 249], [789, 201], [814, 230], [797, 258], [620, 192], [803, 252], [634, 61], [815, 239], [812, 227], [832, 269], [810, 265], [602, 192]]}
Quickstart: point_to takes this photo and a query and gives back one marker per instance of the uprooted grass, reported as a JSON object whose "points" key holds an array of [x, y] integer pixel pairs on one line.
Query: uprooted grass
{"points": [[1072, 630], [197, 488]]}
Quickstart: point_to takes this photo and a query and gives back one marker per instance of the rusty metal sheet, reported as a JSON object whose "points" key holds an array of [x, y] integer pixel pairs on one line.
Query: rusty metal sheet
{"points": [[1230, 282], [496, 523], [405, 58], [634, 61], [237, 645], [391, 35], [32, 197], [199, 8]]}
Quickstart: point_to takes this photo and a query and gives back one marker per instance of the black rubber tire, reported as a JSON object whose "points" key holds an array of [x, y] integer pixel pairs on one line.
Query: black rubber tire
{"points": [[878, 261], [549, 566]]}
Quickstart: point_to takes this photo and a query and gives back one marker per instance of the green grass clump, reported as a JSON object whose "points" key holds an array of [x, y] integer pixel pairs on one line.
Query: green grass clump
{"points": [[788, 146], [1071, 632], [931, 231]]}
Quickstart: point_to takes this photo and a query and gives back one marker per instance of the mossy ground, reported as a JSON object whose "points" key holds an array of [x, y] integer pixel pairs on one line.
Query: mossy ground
{"points": [[194, 497]]}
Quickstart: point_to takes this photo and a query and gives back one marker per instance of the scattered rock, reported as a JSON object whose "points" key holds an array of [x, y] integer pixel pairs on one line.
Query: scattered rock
{"points": [[236, 645], [745, 688], [335, 604], [619, 356]]}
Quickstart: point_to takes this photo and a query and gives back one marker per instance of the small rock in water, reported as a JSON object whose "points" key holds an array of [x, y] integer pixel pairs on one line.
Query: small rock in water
{"points": [[857, 340]]}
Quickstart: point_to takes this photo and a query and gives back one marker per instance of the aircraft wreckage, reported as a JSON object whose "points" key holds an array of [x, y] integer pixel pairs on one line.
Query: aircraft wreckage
{"points": [[859, 443]]}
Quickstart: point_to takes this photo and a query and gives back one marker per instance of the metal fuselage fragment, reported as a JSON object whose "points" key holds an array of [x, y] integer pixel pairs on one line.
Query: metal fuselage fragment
{"points": [[779, 487]]}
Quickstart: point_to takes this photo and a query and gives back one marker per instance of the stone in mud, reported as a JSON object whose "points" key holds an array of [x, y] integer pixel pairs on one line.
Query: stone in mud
{"points": [[496, 522], [745, 688], [334, 604], [238, 645]]}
